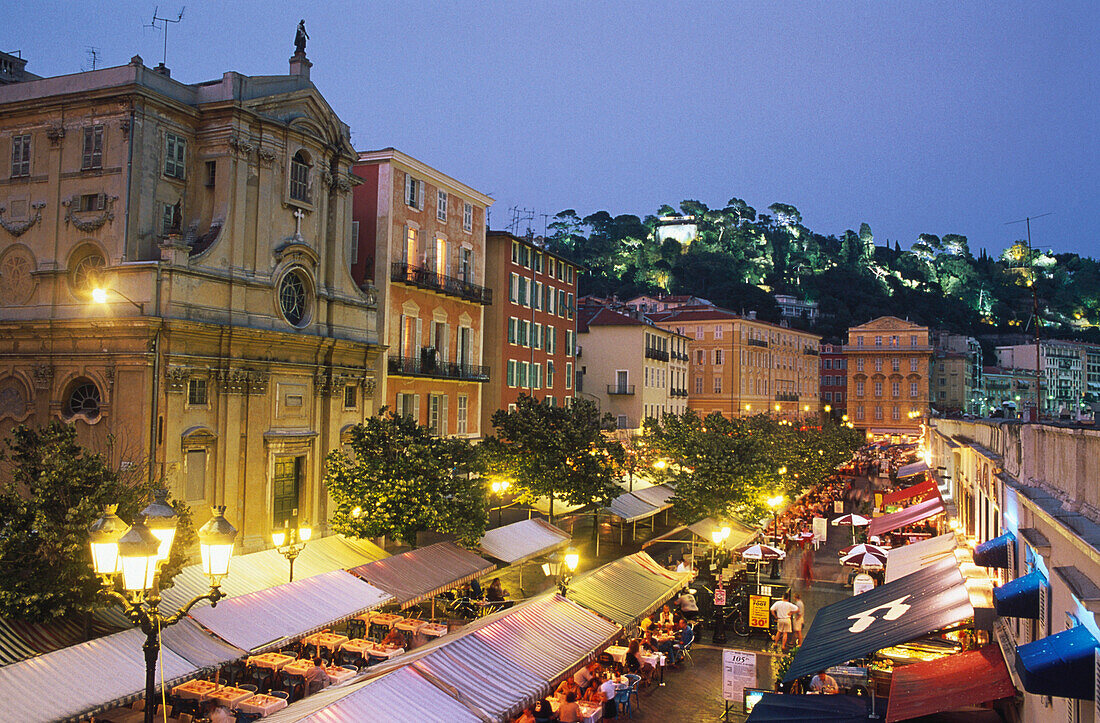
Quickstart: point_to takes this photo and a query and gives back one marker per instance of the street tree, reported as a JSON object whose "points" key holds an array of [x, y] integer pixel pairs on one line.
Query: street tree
{"points": [[397, 479], [53, 491], [556, 452]]}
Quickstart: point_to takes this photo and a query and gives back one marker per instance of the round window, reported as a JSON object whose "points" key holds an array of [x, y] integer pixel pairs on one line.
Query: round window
{"points": [[293, 299], [87, 273], [84, 400]]}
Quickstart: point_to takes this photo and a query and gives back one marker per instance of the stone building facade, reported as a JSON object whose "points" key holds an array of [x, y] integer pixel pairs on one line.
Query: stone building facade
{"points": [[175, 281], [889, 360]]}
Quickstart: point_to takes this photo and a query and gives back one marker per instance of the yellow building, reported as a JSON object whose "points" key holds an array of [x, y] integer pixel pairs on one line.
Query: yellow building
{"points": [[740, 366], [228, 344], [888, 371]]}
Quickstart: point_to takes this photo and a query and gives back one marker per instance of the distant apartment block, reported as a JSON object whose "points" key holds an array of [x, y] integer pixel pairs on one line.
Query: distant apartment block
{"points": [[888, 369], [834, 379]]}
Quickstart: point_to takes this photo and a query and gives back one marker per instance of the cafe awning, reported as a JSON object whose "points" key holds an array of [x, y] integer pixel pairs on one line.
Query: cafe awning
{"points": [[739, 533], [422, 573], [996, 552], [267, 568], [907, 559], [631, 508], [958, 681], [81, 680], [1060, 665], [660, 496], [780, 708], [920, 491], [523, 540], [891, 614], [1019, 598], [199, 647], [913, 469], [267, 619], [908, 516], [628, 589]]}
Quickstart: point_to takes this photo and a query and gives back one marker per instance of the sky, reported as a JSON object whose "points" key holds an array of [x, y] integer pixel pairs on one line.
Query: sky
{"points": [[914, 117]]}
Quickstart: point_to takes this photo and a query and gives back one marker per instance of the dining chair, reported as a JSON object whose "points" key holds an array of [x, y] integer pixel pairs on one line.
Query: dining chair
{"points": [[280, 694], [251, 687]]}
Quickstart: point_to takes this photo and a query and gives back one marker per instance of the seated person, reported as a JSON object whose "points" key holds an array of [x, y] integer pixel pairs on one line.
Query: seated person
{"points": [[592, 694], [221, 714], [569, 712], [316, 678], [395, 638], [585, 675], [665, 620], [567, 686], [526, 717], [496, 591], [606, 696], [824, 683], [475, 591], [635, 665], [543, 711], [687, 635], [689, 608]]}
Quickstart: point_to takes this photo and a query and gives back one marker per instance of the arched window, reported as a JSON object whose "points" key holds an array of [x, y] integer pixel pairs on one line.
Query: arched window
{"points": [[87, 272], [294, 298], [299, 177], [83, 399]]}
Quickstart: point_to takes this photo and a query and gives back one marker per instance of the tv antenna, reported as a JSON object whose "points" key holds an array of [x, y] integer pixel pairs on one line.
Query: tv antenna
{"points": [[157, 19], [519, 215], [93, 54], [1032, 282]]}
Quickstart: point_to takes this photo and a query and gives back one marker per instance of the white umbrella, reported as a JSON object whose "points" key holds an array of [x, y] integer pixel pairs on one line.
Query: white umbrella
{"points": [[761, 553], [864, 548], [864, 560], [851, 520]]}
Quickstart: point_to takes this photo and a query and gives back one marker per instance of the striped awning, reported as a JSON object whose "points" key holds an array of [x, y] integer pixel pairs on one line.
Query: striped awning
{"points": [[425, 572], [660, 496], [630, 508], [628, 589], [523, 540]]}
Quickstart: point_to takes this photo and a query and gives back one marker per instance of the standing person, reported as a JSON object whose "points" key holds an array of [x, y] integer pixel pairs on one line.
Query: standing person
{"points": [[689, 608], [798, 618], [782, 610], [807, 567], [496, 591]]}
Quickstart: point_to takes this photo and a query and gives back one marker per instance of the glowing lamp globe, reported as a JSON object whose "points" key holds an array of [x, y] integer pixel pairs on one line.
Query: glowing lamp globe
{"points": [[216, 545], [304, 533], [278, 538], [161, 520], [137, 552], [571, 560], [104, 535]]}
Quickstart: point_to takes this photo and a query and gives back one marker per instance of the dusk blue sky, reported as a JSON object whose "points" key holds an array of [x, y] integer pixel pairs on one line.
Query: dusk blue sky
{"points": [[937, 117]]}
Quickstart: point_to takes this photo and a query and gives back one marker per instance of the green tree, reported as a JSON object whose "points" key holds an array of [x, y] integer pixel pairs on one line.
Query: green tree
{"points": [[556, 452], [399, 480], [55, 490]]}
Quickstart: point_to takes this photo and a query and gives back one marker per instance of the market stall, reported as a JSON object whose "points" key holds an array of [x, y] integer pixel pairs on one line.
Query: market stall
{"points": [[628, 589], [966, 679], [921, 491], [423, 573], [908, 516]]}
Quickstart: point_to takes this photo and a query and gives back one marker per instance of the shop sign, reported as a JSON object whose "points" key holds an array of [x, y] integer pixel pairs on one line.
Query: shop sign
{"points": [[738, 673], [759, 611], [719, 596], [862, 583]]}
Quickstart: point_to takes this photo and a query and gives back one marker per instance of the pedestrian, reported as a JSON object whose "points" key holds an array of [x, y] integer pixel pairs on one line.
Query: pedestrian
{"points": [[807, 567], [798, 618], [782, 610], [689, 608]]}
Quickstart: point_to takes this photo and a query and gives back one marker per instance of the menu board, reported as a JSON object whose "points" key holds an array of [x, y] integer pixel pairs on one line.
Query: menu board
{"points": [[821, 527], [759, 612], [738, 673]]}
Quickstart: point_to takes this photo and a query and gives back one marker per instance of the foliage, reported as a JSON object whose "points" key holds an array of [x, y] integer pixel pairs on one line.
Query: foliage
{"points": [[556, 452], [399, 480], [724, 468], [55, 492]]}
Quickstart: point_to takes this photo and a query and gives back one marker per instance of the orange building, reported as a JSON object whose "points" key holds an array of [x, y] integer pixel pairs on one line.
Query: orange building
{"points": [[740, 366], [420, 238], [530, 332], [888, 371]]}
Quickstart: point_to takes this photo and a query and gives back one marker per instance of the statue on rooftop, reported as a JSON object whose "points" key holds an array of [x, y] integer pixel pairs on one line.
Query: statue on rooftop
{"points": [[300, 38]]}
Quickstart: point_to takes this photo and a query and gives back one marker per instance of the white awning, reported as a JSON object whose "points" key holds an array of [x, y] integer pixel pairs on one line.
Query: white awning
{"points": [[911, 469], [523, 540], [631, 508], [267, 619], [659, 496], [80, 680], [907, 559]]}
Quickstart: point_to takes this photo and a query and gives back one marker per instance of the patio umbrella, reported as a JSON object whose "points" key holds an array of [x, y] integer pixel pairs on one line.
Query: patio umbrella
{"points": [[853, 521], [864, 560], [866, 548], [760, 553]]}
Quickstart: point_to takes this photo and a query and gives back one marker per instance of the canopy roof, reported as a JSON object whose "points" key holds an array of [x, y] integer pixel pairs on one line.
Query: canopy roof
{"points": [[960, 680], [1060, 665], [1019, 598], [776, 707], [660, 496], [631, 508], [199, 647], [891, 614], [907, 559], [424, 572], [80, 680], [998, 552], [266, 619], [627, 589], [913, 469], [739, 533], [267, 568], [921, 491], [523, 540], [908, 516]]}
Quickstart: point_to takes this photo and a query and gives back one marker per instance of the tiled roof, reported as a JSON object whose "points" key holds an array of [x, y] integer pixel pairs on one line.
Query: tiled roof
{"points": [[602, 316]]}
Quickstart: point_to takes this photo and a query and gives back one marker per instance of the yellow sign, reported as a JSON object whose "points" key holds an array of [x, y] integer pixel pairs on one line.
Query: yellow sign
{"points": [[759, 611]]}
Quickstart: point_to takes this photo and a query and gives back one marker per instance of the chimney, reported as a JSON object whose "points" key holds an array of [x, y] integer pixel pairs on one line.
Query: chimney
{"points": [[163, 70]]}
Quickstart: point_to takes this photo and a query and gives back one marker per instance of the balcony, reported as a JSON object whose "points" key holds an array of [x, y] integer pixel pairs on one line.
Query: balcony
{"points": [[423, 278], [809, 350], [651, 353], [623, 389], [757, 342], [429, 365], [784, 397], [677, 392]]}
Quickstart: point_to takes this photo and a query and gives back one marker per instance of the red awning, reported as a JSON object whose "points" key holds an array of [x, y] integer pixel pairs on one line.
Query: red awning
{"points": [[921, 491], [916, 513], [950, 683]]}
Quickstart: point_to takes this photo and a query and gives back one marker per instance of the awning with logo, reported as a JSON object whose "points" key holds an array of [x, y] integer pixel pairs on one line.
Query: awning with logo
{"points": [[908, 516], [958, 681], [1020, 597], [996, 552], [1060, 665], [921, 491], [891, 614]]}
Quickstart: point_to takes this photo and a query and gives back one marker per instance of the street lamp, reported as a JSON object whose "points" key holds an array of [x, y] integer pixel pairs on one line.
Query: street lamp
{"points": [[562, 567], [136, 555], [774, 503], [290, 541], [499, 488]]}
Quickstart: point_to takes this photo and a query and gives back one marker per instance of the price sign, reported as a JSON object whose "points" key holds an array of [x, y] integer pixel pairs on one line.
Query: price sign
{"points": [[759, 611], [720, 596], [738, 673]]}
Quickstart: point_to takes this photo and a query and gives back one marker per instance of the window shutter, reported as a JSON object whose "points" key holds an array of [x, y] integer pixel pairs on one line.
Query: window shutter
{"points": [[401, 342], [418, 344], [443, 415], [420, 195], [416, 407]]}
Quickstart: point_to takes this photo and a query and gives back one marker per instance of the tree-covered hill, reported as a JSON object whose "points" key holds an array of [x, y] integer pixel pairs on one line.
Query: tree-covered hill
{"points": [[738, 258]]}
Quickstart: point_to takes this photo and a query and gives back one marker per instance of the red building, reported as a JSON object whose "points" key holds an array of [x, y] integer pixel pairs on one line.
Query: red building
{"points": [[834, 378], [531, 328]]}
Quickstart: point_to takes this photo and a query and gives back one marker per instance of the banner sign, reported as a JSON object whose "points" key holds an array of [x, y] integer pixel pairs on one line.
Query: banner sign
{"points": [[759, 611]]}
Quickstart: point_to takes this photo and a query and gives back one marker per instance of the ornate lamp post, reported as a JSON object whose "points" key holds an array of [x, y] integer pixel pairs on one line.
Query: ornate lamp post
{"points": [[774, 503], [290, 541], [133, 558], [563, 568]]}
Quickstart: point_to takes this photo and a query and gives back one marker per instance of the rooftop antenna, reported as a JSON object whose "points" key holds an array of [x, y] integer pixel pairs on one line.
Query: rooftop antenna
{"points": [[1034, 308], [93, 54], [157, 19], [520, 215]]}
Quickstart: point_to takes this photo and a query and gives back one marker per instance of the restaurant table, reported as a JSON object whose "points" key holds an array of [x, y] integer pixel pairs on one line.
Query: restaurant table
{"points": [[410, 625], [229, 696], [384, 652], [195, 689], [618, 653], [356, 645], [275, 661], [338, 673], [263, 704], [385, 619], [332, 641], [433, 630], [590, 712]]}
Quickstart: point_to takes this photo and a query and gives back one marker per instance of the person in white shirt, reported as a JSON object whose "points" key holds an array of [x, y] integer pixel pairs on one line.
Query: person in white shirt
{"points": [[783, 610], [824, 683], [798, 618]]}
